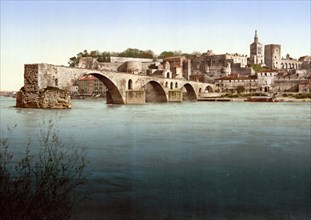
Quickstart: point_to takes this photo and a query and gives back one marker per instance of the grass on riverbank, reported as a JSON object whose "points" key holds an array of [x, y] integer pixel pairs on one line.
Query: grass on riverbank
{"points": [[297, 95]]}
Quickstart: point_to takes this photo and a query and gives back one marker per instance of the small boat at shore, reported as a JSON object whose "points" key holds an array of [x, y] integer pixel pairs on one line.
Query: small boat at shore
{"points": [[214, 99], [262, 99]]}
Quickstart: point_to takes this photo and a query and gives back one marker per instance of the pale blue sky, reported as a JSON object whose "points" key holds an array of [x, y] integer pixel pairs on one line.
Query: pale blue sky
{"points": [[54, 31]]}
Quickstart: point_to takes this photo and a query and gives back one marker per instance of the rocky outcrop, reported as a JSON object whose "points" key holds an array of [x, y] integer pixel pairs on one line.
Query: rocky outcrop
{"points": [[44, 87], [50, 97]]}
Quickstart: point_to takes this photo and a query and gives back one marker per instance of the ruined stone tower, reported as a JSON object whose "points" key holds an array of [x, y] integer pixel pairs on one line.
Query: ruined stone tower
{"points": [[256, 51], [273, 56]]}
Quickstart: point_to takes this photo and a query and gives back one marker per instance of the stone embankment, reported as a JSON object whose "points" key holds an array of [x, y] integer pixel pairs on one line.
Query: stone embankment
{"points": [[50, 97]]}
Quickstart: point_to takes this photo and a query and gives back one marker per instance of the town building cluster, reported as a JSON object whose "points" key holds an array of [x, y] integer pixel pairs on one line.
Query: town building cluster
{"points": [[265, 70]]}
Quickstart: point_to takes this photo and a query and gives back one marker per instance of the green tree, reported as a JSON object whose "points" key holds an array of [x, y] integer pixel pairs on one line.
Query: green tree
{"points": [[73, 61], [165, 54], [192, 55], [240, 89], [177, 53], [148, 54], [136, 53], [85, 53], [94, 54], [104, 57], [258, 68]]}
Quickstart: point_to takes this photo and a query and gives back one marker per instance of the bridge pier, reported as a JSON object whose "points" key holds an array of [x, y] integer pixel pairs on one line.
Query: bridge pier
{"points": [[135, 97], [109, 99], [175, 96]]}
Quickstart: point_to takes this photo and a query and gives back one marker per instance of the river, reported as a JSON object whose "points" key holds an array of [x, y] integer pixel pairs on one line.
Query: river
{"points": [[191, 160]]}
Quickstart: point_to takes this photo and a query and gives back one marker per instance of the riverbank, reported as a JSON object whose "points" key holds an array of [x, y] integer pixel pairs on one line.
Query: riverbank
{"points": [[285, 97], [240, 99], [217, 97]]}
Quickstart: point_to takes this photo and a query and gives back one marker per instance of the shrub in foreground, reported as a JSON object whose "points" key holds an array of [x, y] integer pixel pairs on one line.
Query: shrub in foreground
{"points": [[40, 186]]}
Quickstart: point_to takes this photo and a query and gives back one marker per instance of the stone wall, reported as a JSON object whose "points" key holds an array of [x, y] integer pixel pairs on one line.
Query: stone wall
{"points": [[31, 78], [109, 66], [27, 97], [58, 76], [88, 63], [39, 77], [286, 85]]}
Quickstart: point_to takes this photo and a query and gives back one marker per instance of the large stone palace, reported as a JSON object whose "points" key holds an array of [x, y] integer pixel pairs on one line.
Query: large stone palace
{"points": [[227, 71], [231, 70]]}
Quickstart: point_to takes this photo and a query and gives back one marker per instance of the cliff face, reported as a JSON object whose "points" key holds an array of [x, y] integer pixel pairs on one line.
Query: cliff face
{"points": [[50, 97]]}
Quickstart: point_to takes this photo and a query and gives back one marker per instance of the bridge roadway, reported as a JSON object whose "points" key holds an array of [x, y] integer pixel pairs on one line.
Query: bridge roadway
{"points": [[123, 88]]}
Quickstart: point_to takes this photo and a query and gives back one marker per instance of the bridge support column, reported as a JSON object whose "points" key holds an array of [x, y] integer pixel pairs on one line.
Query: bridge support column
{"points": [[109, 99], [174, 96], [135, 97]]}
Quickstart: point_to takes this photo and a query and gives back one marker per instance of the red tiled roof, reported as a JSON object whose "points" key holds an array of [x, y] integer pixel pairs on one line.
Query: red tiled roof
{"points": [[87, 78], [266, 71], [236, 78]]}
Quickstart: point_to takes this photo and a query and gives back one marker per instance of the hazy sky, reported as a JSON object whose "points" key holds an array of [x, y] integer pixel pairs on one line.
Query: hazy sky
{"points": [[53, 31]]}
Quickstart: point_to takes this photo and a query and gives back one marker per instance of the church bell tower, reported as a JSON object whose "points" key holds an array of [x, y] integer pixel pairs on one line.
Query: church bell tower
{"points": [[256, 51]]}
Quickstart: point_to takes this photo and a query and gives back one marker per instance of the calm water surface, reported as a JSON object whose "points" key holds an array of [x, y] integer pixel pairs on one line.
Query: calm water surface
{"points": [[201, 160]]}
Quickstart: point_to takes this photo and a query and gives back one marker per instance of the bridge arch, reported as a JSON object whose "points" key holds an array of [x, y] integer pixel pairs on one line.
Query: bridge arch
{"points": [[113, 94], [189, 93], [154, 92]]}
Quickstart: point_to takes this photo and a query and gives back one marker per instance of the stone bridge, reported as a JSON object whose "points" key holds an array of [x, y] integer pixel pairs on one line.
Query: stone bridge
{"points": [[123, 88]]}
